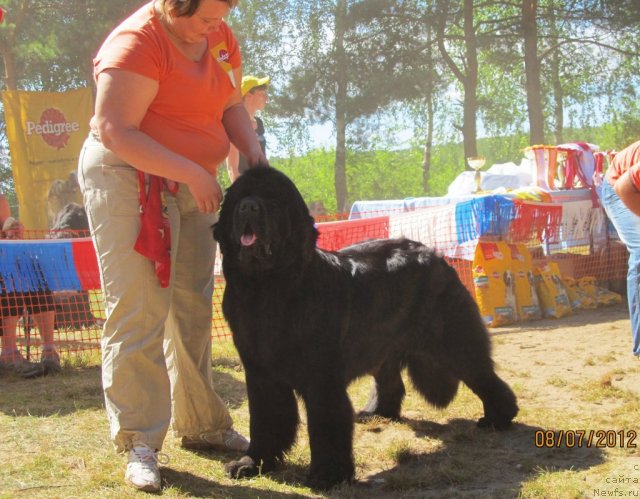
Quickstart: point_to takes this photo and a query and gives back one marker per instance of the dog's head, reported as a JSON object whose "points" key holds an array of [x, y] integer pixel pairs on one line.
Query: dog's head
{"points": [[264, 224], [71, 221], [508, 278]]}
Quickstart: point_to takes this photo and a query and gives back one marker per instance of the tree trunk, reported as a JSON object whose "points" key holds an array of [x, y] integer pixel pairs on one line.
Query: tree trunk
{"points": [[468, 78], [532, 72], [10, 72], [340, 109], [428, 145], [7, 44], [470, 84], [556, 82]]}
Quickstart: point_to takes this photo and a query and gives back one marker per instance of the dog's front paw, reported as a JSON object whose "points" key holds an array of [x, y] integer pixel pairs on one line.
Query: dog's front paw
{"points": [[495, 424], [242, 468], [329, 477]]}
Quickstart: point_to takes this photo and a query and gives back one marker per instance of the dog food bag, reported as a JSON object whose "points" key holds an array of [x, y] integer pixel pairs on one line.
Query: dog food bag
{"points": [[578, 298], [552, 293], [494, 284], [527, 302], [601, 296]]}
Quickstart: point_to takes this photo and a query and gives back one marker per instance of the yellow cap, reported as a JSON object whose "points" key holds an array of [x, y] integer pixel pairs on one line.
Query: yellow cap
{"points": [[249, 82]]}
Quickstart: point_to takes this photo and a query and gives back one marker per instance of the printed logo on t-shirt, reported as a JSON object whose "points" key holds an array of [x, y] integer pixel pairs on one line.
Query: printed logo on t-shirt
{"points": [[221, 54]]}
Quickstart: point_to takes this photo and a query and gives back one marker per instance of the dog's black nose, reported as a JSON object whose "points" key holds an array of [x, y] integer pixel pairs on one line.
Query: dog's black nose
{"points": [[249, 206]]}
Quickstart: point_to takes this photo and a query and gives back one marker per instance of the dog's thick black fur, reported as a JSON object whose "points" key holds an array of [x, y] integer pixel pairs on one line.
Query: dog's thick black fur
{"points": [[308, 321]]}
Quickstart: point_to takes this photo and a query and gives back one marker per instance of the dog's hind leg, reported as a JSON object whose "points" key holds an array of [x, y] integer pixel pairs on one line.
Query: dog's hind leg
{"points": [[498, 400], [387, 393], [435, 383], [464, 350], [469, 359]]}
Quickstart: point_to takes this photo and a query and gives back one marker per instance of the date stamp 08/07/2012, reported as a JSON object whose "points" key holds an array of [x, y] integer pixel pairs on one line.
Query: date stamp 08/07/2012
{"points": [[598, 439]]}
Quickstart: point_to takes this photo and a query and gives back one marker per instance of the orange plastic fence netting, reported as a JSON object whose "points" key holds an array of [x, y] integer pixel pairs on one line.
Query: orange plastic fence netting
{"points": [[574, 234]]}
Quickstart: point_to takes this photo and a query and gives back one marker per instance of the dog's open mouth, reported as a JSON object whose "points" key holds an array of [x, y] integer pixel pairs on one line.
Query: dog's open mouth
{"points": [[251, 234], [252, 245], [248, 239]]}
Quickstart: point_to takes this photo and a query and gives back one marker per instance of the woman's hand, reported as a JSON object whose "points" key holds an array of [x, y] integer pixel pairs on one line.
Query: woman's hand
{"points": [[206, 191]]}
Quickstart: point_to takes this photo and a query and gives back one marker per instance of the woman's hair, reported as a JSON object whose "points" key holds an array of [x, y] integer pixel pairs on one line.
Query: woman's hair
{"points": [[186, 8]]}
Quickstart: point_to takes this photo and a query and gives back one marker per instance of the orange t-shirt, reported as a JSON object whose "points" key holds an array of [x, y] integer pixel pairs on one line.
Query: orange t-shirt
{"points": [[186, 114], [627, 159]]}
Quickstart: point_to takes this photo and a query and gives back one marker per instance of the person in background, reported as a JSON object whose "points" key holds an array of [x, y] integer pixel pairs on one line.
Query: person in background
{"points": [[168, 104], [317, 210], [621, 201], [255, 98], [40, 306]]}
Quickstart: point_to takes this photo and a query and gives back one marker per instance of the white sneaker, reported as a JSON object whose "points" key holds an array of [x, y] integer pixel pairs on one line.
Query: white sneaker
{"points": [[235, 441], [227, 440], [142, 469]]}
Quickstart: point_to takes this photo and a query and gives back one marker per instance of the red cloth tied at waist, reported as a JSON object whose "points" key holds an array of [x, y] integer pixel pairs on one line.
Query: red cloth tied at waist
{"points": [[154, 238]]}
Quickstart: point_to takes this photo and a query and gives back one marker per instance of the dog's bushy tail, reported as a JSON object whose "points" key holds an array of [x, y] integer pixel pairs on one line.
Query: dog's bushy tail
{"points": [[433, 382]]}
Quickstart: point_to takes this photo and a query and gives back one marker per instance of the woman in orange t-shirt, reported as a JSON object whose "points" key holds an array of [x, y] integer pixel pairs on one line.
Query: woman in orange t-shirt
{"points": [[621, 201], [168, 104]]}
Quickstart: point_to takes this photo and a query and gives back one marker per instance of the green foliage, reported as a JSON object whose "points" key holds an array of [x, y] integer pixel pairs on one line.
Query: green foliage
{"points": [[384, 175], [390, 174], [313, 174], [397, 174]]}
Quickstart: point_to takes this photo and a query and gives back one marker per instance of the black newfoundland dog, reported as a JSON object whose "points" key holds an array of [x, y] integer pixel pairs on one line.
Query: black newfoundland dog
{"points": [[307, 321]]}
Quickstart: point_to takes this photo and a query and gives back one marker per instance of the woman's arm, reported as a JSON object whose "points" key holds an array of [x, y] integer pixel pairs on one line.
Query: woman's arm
{"points": [[626, 190], [122, 101], [233, 161], [238, 126]]}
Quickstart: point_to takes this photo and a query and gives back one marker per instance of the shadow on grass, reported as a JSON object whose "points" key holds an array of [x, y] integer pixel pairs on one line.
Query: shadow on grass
{"points": [[191, 485], [487, 461], [73, 390], [80, 388], [287, 473], [467, 460]]}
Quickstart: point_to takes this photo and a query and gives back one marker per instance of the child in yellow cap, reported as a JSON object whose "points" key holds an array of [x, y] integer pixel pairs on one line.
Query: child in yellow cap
{"points": [[255, 98]]}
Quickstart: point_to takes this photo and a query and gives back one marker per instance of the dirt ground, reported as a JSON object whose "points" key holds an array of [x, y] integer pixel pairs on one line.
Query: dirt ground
{"points": [[574, 374], [590, 345], [571, 375]]}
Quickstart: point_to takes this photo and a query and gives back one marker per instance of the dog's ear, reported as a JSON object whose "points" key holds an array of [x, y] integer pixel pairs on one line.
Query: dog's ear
{"points": [[310, 240], [216, 232], [218, 228]]}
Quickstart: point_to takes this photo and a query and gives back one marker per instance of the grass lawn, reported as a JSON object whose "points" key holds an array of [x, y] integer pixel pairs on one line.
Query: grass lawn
{"points": [[570, 376]]}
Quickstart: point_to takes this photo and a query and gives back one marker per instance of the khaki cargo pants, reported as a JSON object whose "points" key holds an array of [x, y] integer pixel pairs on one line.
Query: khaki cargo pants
{"points": [[156, 343]]}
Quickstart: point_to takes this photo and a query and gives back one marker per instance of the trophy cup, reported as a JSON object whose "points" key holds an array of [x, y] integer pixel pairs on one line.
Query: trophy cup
{"points": [[477, 162], [561, 168]]}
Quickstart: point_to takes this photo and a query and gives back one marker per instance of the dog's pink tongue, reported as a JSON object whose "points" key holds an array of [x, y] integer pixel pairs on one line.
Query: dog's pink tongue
{"points": [[247, 239]]}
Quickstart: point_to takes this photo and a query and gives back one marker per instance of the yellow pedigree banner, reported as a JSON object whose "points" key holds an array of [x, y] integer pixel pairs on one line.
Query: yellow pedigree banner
{"points": [[45, 131]]}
